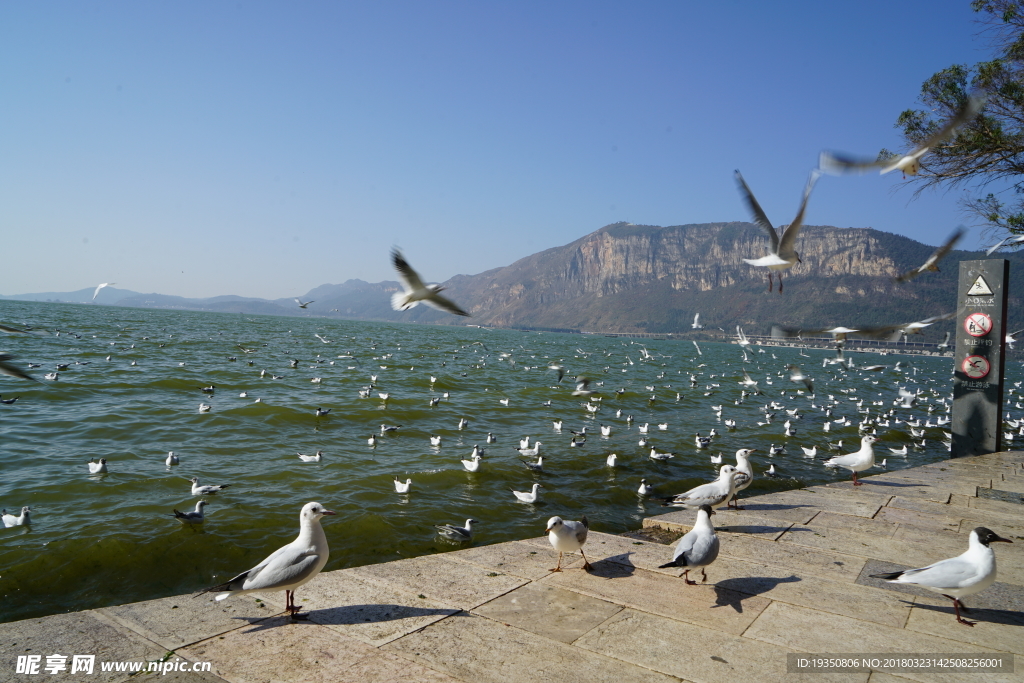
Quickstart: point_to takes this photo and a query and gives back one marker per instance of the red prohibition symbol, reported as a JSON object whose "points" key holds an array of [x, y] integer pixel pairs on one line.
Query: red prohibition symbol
{"points": [[977, 324], [976, 367]]}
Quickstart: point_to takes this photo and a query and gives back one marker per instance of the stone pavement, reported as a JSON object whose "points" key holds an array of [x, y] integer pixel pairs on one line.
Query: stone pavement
{"points": [[792, 577]]}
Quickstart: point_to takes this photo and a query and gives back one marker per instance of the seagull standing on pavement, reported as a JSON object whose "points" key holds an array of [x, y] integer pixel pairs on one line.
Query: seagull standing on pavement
{"points": [[715, 494], [286, 568], [416, 291], [567, 537], [698, 548], [966, 574], [864, 459]]}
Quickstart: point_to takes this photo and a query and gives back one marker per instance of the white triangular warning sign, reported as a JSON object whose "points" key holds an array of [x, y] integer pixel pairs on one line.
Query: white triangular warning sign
{"points": [[979, 288]]}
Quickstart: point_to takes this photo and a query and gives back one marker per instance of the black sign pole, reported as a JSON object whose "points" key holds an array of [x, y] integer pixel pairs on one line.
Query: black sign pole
{"points": [[980, 357]]}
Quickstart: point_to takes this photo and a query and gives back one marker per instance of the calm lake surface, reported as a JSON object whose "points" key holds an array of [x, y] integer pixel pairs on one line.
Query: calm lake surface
{"points": [[108, 539]]}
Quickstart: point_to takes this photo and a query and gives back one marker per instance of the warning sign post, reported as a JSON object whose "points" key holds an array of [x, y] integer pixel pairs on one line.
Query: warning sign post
{"points": [[980, 355]]}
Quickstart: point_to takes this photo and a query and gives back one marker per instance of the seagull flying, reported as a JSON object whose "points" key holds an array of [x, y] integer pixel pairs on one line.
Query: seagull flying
{"points": [[933, 261], [416, 291], [782, 256], [910, 164], [98, 288]]}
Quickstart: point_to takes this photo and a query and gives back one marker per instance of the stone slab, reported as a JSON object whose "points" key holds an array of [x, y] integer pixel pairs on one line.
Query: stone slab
{"points": [[799, 559], [514, 558], [276, 650], [549, 611], [806, 630], [373, 613], [873, 526], [450, 583], [999, 506], [76, 633], [186, 619], [477, 649], [609, 548], [704, 604], [919, 520], [1001, 627], [691, 652], [844, 501]]}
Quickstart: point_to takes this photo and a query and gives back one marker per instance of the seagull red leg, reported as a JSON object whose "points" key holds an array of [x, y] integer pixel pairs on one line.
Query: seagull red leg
{"points": [[586, 562], [956, 606]]}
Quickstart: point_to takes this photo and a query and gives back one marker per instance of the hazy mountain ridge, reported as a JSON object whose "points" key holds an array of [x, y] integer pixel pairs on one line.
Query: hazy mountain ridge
{"points": [[636, 278]]}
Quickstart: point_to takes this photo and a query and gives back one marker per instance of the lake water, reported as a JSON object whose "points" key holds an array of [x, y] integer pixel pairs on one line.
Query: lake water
{"points": [[108, 539]]}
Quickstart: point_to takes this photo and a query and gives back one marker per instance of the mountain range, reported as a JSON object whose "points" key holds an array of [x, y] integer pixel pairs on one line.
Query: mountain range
{"points": [[641, 278]]}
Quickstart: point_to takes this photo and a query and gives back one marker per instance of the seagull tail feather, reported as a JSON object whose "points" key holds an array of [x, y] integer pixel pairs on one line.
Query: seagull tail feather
{"points": [[888, 577]]}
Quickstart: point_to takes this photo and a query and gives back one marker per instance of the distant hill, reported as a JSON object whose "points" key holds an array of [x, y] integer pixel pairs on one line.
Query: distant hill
{"points": [[642, 278]]}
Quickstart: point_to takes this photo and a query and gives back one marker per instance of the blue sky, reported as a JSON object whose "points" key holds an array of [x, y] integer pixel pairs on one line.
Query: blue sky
{"points": [[262, 149]]}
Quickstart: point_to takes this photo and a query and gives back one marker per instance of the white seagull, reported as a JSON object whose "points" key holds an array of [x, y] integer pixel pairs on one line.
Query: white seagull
{"points": [[289, 567], [303, 304], [966, 574], [782, 255], [99, 287], [645, 488], [932, 263], [198, 490], [697, 548], [744, 476], [416, 291], [402, 488], [98, 467], [311, 458], [21, 520], [194, 517], [457, 533], [909, 164], [568, 537], [864, 459], [715, 494], [172, 459], [530, 497]]}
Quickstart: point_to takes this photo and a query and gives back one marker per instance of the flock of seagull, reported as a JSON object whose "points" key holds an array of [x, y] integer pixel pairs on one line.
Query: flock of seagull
{"points": [[291, 566]]}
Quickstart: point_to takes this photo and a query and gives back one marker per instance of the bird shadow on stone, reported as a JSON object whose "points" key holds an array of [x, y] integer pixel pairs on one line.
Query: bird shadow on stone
{"points": [[985, 614], [878, 482], [732, 592], [749, 504], [615, 567], [348, 615]]}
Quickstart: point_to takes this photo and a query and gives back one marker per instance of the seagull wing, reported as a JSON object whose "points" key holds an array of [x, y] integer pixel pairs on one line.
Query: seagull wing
{"points": [[835, 163], [1011, 239], [442, 304], [410, 278], [759, 216], [785, 246], [951, 573], [966, 114], [7, 369], [703, 550], [11, 330]]}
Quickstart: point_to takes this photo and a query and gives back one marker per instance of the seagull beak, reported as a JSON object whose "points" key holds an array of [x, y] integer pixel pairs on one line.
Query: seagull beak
{"points": [[1000, 539], [330, 512], [548, 530]]}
